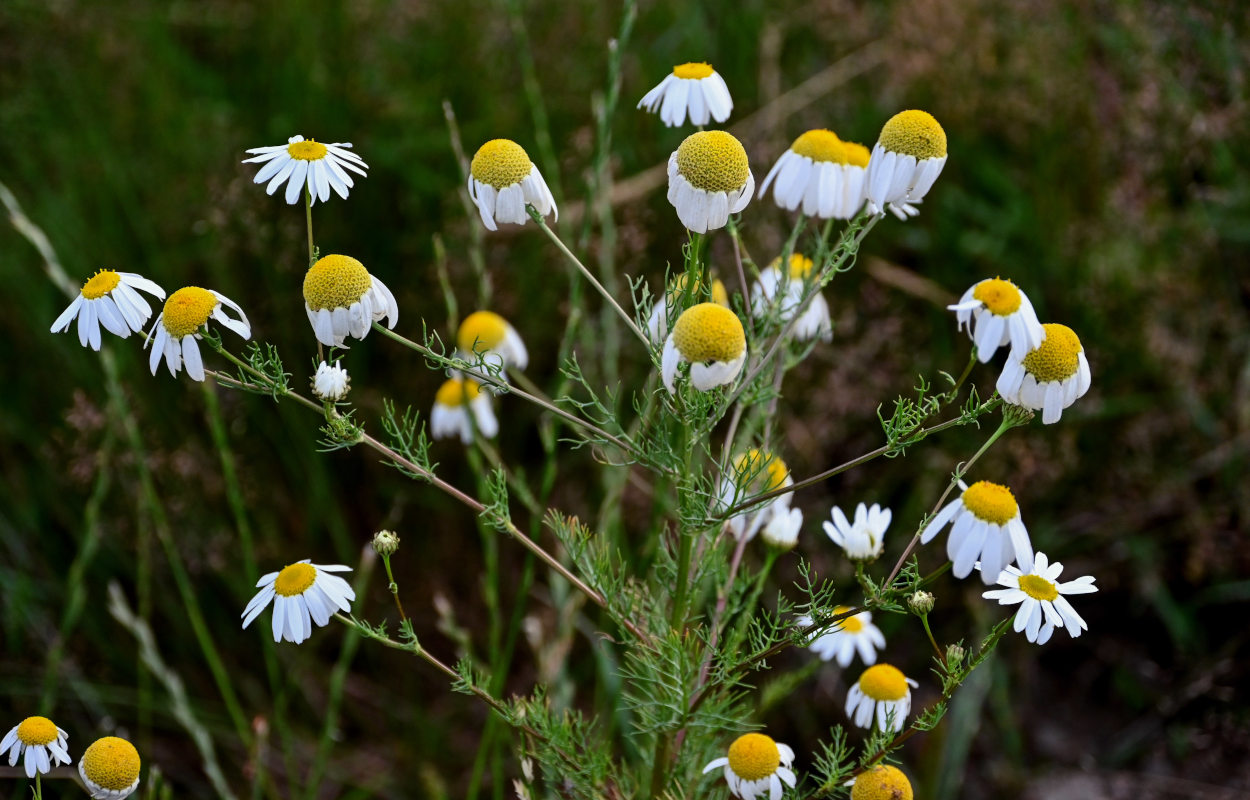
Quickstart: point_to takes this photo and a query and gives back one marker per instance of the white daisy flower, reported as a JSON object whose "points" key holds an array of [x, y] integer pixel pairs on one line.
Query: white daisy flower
{"points": [[907, 159], [658, 322], [709, 178], [307, 163], [997, 313], [43, 744], [711, 338], [855, 634], [881, 782], [863, 539], [486, 334], [173, 336], [823, 173], [302, 593], [331, 383], [109, 298], [693, 89], [791, 285], [985, 529], [782, 531], [1043, 607], [455, 401], [1050, 377], [880, 697], [756, 765], [757, 472], [110, 768], [342, 299], [503, 180]]}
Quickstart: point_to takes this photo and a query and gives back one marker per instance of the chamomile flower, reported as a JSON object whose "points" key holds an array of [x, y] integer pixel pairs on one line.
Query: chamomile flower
{"points": [[173, 336], [985, 528], [109, 298], [881, 782], [695, 90], [790, 285], [342, 299], [1043, 606], [863, 539], [756, 765], [41, 742], [658, 323], [709, 178], [307, 163], [997, 313], [1050, 377], [711, 338], [455, 401], [302, 593], [331, 383], [881, 696], [823, 173], [489, 335], [753, 473], [907, 159], [110, 768], [782, 530], [503, 180], [855, 634]]}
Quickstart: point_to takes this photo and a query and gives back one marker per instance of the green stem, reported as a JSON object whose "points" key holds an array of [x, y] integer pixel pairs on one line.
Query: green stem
{"points": [[312, 251], [924, 620]]}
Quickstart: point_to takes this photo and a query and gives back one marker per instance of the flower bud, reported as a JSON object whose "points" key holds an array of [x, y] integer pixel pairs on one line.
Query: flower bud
{"points": [[954, 654], [331, 382], [920, 603], [385, 543]]}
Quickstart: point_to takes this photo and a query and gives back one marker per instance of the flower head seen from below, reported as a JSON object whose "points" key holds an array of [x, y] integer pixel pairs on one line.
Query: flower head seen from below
{"points": [[695, 90], [503, 181], [110, 768], [756, 766], [1043, 606], [881, 696], [487, 335], [331, 383], [787, 288], [864, 538], [712, 340], [996, 313], [110, 299], [709, 178], [343, 299], [881, 782], [907, 159], [307, 163], [1050, 377], [39, 743], [302, 593], [175, 333], [822, 173], [854, 634], [460, 407], [985, 528], [753, 473], [658, 322], [782, 530]]}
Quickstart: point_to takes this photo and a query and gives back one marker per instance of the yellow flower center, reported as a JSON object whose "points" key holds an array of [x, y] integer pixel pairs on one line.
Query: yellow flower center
{"points": [[335, 282], [914, 133], [820, 145], [693, 71], [100, 284], [307, 150], [36, 731], [1038, 588], [720, 295], [112, 763], [455, 392], [856, 154], [850, 624], [187, 309], [800, 265], [767, 471], [1055, 359], [295, 579], [753, 756], [481, 331], [882, 782], [500, 163], [1000, 297], [990, 502], [713, 161], [883, 682], [708, 332]]}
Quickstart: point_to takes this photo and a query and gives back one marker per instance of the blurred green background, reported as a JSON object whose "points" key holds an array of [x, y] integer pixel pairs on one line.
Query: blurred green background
{"points": [[1099, 157]]}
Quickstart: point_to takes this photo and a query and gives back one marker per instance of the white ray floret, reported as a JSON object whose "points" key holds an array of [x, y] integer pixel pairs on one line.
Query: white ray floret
{"points": [[110, 299], [694, 90], [307, 164]]}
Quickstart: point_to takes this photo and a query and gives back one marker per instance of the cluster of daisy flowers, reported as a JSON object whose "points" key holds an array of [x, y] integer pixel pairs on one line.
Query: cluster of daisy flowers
{"points": [[109, 767], [462, 406]]}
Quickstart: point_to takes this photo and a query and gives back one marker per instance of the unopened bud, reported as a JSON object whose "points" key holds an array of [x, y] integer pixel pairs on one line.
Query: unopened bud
{"points": [[385, 543], [954, 654], [920, 603], [331, 383]]}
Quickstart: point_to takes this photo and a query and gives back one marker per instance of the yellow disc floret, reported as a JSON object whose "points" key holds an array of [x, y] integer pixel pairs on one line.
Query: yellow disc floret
{"points": [[100, 284], [883, 682], [820, 145], [990, 502], [1055, 359], [800, 265], [914, 133], [500, 163], [307, 150], [187, 309], [882, 782], [1000, 297], [456, 392], [481, 331], [709, 332], [720, 295], [850, 624], [693, 71], [767, 471], [713, 161], [335, 282], [295, 579], [856, 154], [753, 756], [34, 731], [1038, 587], [111, 763]]}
